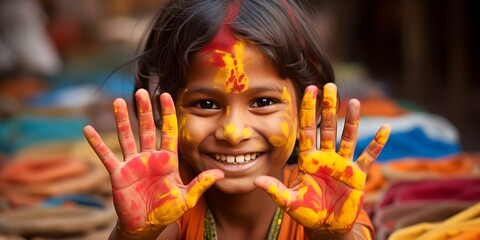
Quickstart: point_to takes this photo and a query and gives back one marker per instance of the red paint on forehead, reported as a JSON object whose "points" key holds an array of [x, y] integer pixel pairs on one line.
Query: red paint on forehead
{"points": [[225, 39]]}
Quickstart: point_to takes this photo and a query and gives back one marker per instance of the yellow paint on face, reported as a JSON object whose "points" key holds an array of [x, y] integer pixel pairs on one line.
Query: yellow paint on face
{"points": [[231, 131], [247, 132], [288, 127], [228, 110], [185, 135], [233, 74]]}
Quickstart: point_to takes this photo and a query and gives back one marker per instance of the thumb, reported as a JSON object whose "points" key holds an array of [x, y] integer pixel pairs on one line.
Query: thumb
{"points": [[280, 194], [200, 184]]}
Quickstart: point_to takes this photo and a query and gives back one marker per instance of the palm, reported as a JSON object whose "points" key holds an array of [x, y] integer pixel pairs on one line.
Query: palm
{"points": [[147, 189], [138, 186], [327, 194]]}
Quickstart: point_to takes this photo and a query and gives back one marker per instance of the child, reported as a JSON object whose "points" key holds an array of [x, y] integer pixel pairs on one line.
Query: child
{"points": [[229, 76]]}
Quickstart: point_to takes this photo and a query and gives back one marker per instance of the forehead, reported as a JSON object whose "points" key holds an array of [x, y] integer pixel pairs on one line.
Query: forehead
{"points": [[244, 62]]}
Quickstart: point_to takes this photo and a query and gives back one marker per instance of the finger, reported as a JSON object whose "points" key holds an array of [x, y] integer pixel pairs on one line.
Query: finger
{"points": [[169, 141], [370, 154], [328, 124], [200, 184], [124, 129], [350, 130], [308, 125], [146, 124], [280, 194], [106, 155]]}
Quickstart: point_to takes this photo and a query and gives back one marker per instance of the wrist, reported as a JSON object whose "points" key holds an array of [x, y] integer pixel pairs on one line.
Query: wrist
{"points": [[325, 234], [148, 232]]}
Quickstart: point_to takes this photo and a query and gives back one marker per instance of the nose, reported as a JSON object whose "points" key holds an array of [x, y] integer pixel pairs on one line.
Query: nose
{"points": [[233, 128]]}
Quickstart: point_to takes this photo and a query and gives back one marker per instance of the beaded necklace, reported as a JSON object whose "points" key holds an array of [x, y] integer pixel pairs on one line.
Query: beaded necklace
{"points": [[210, 232]]}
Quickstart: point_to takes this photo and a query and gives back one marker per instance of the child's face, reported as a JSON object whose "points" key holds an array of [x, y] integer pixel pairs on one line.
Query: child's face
{"points": [[236, 114]]}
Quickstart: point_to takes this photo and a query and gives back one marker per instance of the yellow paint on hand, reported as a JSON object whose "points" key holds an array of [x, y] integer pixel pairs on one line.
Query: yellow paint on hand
{"points": [[327, 145], [305, 143], [194, 193], [169, 126], [169, 211], [339, 167], [282, 198], [346, 148], [347, 214], [329, 96], [144, 160], [382, 135], [310, 218]]}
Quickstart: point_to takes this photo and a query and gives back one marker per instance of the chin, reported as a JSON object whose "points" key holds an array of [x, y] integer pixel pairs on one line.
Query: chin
{"points": [[235, 186]]}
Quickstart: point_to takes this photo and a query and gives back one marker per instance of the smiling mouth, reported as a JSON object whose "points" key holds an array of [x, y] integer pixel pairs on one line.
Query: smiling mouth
{"points": [[238, 159]]}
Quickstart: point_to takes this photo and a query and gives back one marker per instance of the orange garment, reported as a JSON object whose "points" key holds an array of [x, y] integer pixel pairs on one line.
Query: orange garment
{"points": [[191, 224]]}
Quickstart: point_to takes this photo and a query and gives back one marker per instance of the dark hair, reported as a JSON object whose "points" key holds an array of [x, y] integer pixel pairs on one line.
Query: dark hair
{"points": [[282, 29]]}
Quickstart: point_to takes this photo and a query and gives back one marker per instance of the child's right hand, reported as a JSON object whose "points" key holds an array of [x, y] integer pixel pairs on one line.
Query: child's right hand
{"points": [[147, 190]]}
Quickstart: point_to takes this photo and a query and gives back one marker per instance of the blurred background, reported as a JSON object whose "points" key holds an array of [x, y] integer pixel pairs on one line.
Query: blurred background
{"points": [[62, 63]]}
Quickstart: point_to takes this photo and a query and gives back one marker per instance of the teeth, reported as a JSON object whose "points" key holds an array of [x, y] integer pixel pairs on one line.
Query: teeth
{"points": [[236, 159]]}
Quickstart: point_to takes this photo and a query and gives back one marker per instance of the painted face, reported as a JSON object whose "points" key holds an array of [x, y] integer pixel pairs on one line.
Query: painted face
{"points": [[236, 114]]}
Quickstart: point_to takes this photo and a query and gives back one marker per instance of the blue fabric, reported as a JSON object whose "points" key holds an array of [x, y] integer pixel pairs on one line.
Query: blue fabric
{"points": [[414, 143], [84, 200], [24, 131]]}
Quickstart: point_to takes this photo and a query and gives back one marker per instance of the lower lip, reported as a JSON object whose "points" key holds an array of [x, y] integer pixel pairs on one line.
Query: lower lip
{"points": [[236, 168]]}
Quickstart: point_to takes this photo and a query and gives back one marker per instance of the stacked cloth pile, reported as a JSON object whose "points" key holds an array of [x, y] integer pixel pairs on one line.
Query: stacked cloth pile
{"points": [[423, 186], [54, 190]]}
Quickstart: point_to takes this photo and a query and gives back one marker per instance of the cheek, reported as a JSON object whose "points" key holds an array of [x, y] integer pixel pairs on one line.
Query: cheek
{"points": [[286, 128], [185, 135]]}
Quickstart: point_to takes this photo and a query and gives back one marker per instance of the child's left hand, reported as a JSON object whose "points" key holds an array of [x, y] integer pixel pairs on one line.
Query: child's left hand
{"points": [[327, 195]]}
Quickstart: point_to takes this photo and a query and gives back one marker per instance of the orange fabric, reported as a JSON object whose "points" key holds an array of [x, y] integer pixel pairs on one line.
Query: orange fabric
{"points": [[455, 165], [192, 223], [375, 106]]}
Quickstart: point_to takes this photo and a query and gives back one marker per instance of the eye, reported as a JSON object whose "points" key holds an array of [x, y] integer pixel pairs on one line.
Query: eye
{"points": [[262, 102], [206, 104]]}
